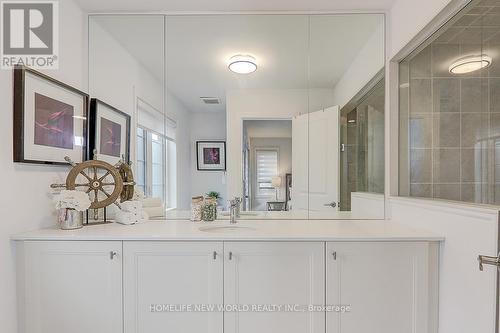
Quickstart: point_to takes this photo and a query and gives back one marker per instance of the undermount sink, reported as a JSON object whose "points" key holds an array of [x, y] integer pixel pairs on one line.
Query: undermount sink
{"points": [[226, 228]]}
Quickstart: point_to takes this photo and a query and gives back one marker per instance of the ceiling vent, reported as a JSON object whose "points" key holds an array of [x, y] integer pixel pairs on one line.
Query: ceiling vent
{"points": [[210, 100]]}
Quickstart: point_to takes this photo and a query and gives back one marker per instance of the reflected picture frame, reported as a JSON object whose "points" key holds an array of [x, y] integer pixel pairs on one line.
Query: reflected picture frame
{"points": [[109, 133], [49, 119], [211, 155]]}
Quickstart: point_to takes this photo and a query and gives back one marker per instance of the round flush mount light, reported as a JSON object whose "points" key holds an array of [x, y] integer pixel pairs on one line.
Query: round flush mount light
{"points": [[470, 64], [242, 64]]}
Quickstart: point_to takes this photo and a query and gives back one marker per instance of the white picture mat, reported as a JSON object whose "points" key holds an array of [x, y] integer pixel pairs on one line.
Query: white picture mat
{"points": [[219, 145], [103, 111], [35, 84]]}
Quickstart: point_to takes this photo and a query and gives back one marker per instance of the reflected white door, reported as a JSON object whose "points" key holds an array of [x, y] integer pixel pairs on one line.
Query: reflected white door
{"points": [[324, 182], [300, 152], [315, 162]]}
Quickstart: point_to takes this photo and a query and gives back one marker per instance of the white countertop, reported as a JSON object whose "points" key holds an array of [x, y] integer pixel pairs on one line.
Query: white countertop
{"points": [[285, 215], [270, 230]]}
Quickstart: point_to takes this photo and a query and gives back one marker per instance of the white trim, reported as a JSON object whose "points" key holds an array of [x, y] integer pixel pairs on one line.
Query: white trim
{"points": [[485, 212], [243, 12], [369, 195]]}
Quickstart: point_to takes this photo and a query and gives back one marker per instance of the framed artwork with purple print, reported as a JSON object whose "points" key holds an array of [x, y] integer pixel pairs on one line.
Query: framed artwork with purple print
{"points": [[109, 134], [50, 119], [211, 155]]}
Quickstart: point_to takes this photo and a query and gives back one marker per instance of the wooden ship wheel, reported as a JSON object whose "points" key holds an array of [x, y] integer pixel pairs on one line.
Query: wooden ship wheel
{"points": [[101, 180], [128, 182]]}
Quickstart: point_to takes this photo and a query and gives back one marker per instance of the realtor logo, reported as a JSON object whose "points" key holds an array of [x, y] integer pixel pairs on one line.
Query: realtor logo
{"points": [[30, 34]]}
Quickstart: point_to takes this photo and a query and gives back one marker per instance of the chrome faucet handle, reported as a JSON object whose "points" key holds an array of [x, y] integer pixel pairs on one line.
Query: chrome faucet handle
{"points": [[233, 210]]}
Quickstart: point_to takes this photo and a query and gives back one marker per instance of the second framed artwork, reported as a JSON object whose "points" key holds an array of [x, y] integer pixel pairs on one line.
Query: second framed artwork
{"points": [[109, 133], [211, 155]]}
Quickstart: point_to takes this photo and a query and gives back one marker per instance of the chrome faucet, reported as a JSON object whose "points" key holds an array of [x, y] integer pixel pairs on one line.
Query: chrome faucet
{"points": [[234, 209]]}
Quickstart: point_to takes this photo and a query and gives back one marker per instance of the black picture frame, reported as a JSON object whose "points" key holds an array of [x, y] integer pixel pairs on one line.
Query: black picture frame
{"points": [[93, 130], [19, 116], [217, 144]]}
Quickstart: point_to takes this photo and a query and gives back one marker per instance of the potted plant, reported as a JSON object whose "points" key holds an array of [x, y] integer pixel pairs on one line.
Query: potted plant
{"points": [[213, 194]]}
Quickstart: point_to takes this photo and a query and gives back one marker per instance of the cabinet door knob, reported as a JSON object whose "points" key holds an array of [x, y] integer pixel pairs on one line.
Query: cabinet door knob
{"points": [[112, 254], [334, 255], [230, 255], [215, 255]]}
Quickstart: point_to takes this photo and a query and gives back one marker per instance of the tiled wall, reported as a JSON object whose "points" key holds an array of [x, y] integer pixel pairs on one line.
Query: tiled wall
{"points": [[362, 162], [450, 124]]}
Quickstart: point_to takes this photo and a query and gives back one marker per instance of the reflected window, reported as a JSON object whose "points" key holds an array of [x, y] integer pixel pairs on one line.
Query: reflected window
{"points": [[157, 166], [151, 172], [140, 173], [266, 168]]}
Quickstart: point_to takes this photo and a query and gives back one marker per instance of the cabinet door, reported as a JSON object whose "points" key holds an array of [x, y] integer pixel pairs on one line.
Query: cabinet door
{"points": [[162, 278], [288, 274], [73, 286], [387, 286]]}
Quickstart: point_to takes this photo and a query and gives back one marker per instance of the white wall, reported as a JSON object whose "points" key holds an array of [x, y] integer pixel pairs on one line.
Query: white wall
{"points": [[117, 78], [368, 62], [263, 104], [406, 18], [182, 116], [467, 296], [25, 202], [207, 126], [367, 205], [268, 128]]}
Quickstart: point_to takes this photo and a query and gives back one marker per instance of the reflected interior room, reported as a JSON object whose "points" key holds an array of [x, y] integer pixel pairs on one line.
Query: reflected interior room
{"points": [[249, 103]]}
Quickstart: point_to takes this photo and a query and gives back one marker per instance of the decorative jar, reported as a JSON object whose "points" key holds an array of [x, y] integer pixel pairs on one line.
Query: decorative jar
{"points": [[209, 210], [196, 208], [69, 218]]}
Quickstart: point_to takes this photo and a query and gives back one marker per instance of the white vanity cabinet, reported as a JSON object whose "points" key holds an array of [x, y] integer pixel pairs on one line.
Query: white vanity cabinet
{"points": [[70, 286], [274, 273], [233, 286], [390, 287], [159, 275]]}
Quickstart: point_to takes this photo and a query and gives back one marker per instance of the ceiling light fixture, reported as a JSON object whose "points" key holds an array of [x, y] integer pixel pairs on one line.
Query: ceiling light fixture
{"points": [[242, 64], [470, 64]]}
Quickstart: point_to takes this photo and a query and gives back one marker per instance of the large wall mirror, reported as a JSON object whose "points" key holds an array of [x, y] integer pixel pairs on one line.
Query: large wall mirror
{"points": [[285, 112]]}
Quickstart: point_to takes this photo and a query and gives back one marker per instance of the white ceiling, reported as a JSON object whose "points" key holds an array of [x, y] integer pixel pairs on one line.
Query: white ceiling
{"points": [[232, 5], [292, 51]]}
